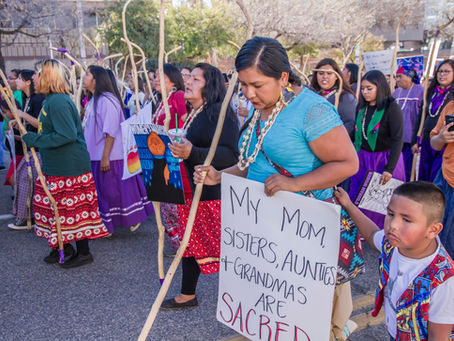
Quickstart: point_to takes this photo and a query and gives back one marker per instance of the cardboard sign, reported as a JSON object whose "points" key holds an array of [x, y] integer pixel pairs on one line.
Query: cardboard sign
{"points": [[379, 60], [413, 62], [375, 197], [160, 170], [278, 263]]}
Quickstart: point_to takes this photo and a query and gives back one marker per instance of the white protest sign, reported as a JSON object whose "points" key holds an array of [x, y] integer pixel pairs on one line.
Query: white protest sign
{"points": [[278, 263], [375, 197], [379, 60]]}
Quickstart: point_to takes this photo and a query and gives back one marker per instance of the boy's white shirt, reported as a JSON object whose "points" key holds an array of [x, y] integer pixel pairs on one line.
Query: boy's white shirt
{"points": [[402, 271]]}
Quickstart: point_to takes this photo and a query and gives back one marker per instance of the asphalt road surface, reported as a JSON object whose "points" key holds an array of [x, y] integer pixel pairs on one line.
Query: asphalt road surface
{"points": [[110, 298]]}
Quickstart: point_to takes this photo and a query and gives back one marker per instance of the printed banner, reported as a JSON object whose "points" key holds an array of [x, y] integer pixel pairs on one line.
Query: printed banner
{"points": [[375, 197], [379, 60], [278, 263], [160, 170]]}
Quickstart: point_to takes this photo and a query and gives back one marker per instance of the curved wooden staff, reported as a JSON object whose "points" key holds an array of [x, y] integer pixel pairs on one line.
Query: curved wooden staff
{"points": [[118, 63], [167, 54], [306, 80], [69, 56], [238, 47], [131, 56], [161, 67], [112, 56], [12, 107], [192, 214], [424, 105], [125, 67], [98, 55], [144, 67], [358, 82], [396, 48], [305, 63], [341, 84]]}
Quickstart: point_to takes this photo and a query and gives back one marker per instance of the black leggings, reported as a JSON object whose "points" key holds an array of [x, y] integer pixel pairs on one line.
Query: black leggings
{"points": [[191, 272], [82, 247]]}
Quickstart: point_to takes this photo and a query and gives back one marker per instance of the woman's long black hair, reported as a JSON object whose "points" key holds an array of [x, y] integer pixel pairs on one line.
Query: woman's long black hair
{"points": [[174, 75], [103, 84], [353, 68], [213, 92], [378, 79], [27, 75]]}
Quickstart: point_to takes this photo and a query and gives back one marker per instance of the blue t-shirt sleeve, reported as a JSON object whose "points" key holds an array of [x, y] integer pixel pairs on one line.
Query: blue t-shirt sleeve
{"points": [[321, 118]]}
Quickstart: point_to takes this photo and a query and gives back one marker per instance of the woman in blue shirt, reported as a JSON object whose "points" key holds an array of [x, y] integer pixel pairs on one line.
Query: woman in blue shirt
{"points": [[292, 142]]}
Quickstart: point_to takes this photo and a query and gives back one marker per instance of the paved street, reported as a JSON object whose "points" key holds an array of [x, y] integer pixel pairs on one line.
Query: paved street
{"points": [[109, 299]]}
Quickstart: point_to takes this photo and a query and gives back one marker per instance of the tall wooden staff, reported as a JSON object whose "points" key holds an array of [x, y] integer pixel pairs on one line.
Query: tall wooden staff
{"points": [[144, 67], [423, 113], [396, 48], [358, 82], [341, 84], [112, 56], [131, 56], [195, 202], [12, 107], [82, 73], [306, 80], [167, 54], [98, 55], [123, 75], [161, 67]]}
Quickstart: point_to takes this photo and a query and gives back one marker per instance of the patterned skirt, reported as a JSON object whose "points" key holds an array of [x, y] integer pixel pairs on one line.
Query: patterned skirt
{"points": [[205, 241], [77, 204]]}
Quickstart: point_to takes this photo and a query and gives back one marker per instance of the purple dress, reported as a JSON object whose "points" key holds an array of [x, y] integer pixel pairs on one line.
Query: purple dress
{"points": [[121, 202], [410, 101]]}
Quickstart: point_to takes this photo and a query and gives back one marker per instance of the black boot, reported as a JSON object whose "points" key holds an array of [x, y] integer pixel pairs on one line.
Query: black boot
{"points": [[53, 256]]}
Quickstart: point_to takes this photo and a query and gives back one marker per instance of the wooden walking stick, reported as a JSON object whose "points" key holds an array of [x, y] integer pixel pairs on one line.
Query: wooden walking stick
{"points": [[131, 56], [125, 67], [235, 45], [144, 67], [98, 55], [306, 80], [167, 54], [341, 84], [396, 48], [22, 130], [358, 82], [161, 67], [69, 56], [416, 155], [112, 56], [192, 214], [305, 63]]}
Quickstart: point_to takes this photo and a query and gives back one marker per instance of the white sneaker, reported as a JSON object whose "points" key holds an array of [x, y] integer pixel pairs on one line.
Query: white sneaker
{"points": [[19, 225], [134, 227]]}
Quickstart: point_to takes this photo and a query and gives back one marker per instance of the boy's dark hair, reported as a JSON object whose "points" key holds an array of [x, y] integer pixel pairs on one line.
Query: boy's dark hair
{"points": [[428, 195]]}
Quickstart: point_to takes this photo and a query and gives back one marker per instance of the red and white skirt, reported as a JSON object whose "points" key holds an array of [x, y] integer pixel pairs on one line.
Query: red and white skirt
{"points": [[77, 204]]}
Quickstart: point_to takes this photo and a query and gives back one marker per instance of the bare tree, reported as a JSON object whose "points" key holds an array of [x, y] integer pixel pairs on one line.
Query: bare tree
{"points": [[30, 18], [337, 23]]}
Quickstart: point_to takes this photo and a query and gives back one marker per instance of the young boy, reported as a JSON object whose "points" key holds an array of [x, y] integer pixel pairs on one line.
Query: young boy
{"points": [[416, 283]]}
